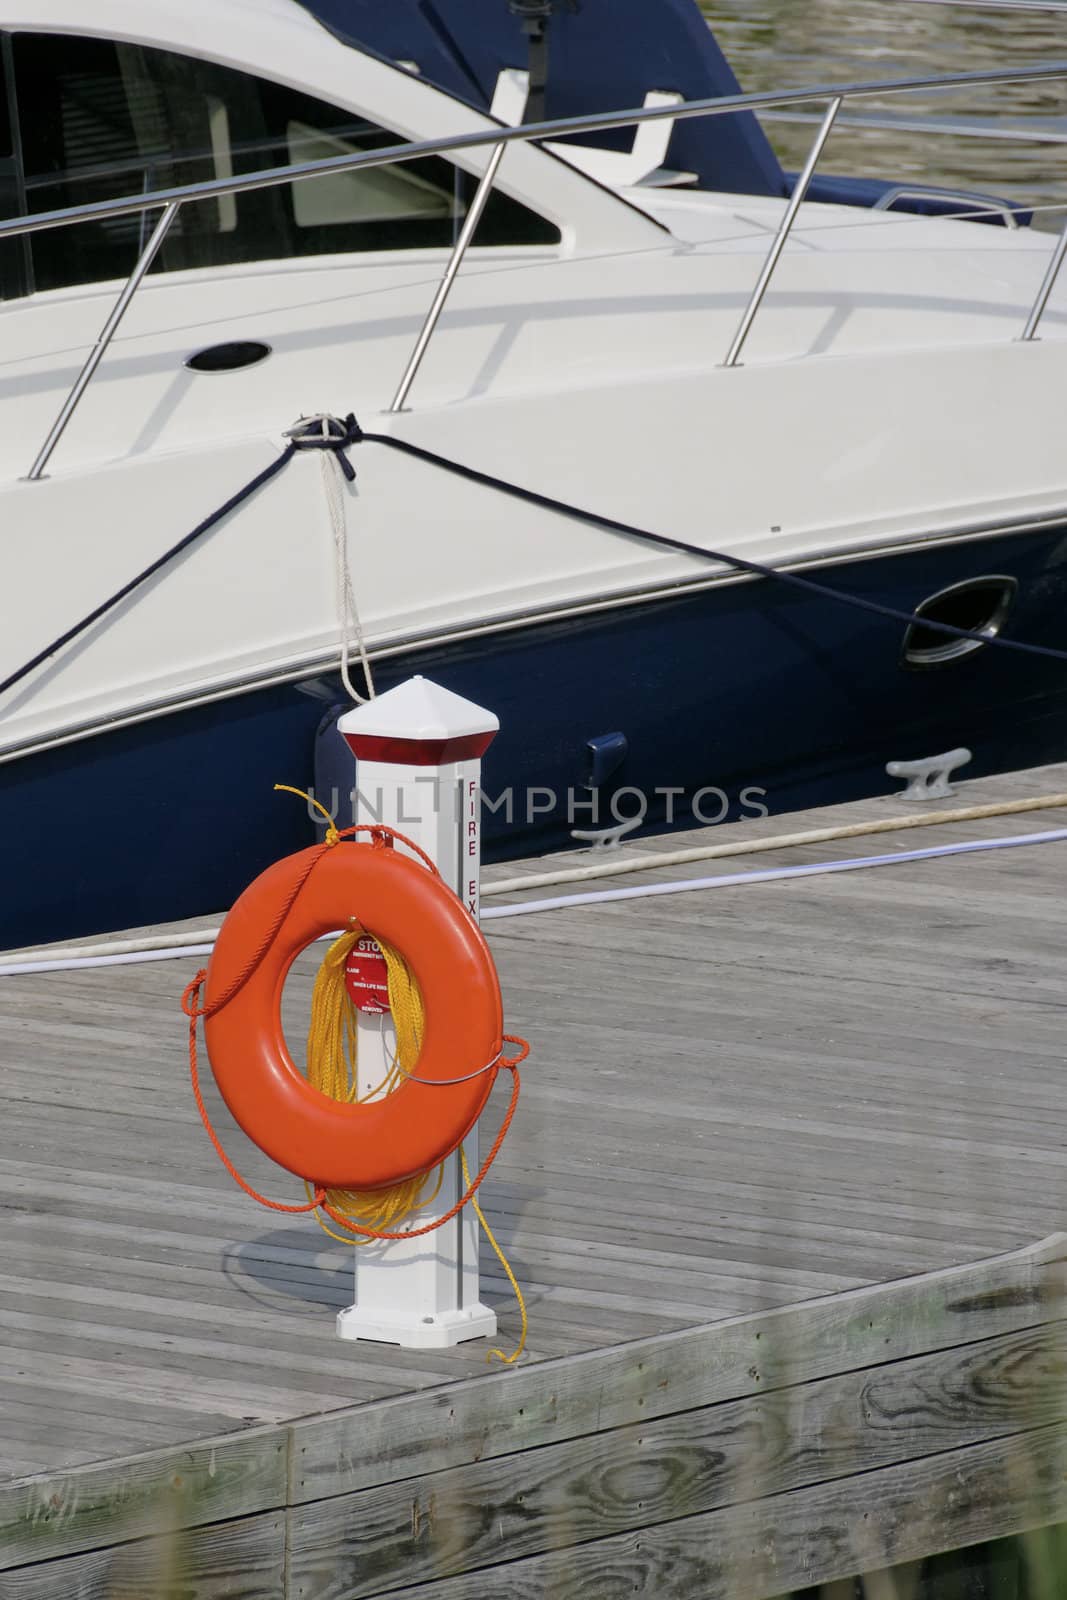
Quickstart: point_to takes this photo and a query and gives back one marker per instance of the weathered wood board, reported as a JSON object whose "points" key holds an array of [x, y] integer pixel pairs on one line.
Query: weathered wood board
{"points": [[55, 1515], [775, 1449], [768, 1547], [242, 1560]]}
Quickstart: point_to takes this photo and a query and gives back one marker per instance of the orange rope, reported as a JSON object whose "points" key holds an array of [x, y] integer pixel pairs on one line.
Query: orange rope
{"points": [[382, 836], [416, 1233], [190, 995]]}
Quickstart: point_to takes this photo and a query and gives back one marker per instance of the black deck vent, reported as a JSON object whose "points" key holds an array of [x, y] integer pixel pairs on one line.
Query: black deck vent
{"points": [[229, 357]]}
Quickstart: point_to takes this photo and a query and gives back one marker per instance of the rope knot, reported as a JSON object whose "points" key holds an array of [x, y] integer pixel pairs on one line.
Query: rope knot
{"points": [[326, 432], [191, 995], [333, 833]]}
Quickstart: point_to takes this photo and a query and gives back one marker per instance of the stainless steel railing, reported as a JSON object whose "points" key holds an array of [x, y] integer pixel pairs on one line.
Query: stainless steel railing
{"points": [[444, 288], [169, 201], [785, 227], [107, 333], [1035, 132], [1048, 7]]}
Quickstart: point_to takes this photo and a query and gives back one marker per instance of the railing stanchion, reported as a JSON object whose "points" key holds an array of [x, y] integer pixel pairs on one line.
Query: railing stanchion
{"points": [[107, 333], [444, 288], [1048, 283], [784, 229]]}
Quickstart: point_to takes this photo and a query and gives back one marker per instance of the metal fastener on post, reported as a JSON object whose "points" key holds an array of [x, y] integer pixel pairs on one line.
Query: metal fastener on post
{"points": [[418, 752]]}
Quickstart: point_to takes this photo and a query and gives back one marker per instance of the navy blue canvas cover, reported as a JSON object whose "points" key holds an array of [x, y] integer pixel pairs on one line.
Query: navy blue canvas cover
{"points": [[604, 56]]}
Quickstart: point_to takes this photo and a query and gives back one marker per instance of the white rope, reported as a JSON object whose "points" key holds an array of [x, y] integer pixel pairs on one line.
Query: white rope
{"points": [[348, 620], [199, 941], [526, 908], [644, 891], [649, 860]]}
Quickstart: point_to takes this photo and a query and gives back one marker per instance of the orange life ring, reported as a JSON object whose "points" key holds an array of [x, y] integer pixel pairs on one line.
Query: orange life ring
{"points": [[353, 1146]]}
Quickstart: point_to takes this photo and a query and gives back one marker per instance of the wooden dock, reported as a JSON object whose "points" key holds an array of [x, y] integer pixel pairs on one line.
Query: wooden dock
{"points": [[784, 1157]]}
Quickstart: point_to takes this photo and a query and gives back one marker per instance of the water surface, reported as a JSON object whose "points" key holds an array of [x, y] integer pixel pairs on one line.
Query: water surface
{"points": [[784, 43]]}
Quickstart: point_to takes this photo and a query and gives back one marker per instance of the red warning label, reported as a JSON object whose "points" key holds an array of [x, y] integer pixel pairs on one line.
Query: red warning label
{"points": [[367, 977]]}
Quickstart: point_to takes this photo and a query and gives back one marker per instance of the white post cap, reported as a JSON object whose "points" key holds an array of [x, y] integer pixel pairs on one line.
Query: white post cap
{"points": [[420, 724]]}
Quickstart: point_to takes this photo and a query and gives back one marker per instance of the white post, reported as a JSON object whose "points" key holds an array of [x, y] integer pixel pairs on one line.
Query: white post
{"points": [[418, 752]]}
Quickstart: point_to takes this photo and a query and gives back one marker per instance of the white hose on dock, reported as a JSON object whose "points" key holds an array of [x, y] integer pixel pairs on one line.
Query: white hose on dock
{"points": [[165, 946], [778, 841], [76, 961], [72, 961], [523, 908]]}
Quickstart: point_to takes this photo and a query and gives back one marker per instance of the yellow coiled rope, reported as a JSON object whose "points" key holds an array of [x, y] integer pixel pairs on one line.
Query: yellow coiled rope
{"points": [[332, 1068]]}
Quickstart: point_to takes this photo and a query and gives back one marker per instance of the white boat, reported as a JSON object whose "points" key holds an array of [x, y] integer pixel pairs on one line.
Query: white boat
{"points": [[860, 404]]}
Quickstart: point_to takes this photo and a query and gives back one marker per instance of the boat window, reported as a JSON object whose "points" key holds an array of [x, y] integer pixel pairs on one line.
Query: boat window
{"points": [[99, 119], [12, 251], [5, 119]]}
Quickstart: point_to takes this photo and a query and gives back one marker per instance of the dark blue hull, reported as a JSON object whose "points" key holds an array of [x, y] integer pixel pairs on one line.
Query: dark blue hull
{"points": [[732, 690]]}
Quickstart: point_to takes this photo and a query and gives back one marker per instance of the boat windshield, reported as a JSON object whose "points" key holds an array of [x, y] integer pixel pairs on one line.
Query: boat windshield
{"points": [[12, 251], [97, 118]]}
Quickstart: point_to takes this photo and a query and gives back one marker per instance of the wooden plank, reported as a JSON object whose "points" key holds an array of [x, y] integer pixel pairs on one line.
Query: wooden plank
{"points": [[40, 1394], [42, 1421], [178, 1324], [540, 1405], [818, 1222], [55, 1515], [242, 1560], [651, 1472], [768, 1547], [179, 1383]]}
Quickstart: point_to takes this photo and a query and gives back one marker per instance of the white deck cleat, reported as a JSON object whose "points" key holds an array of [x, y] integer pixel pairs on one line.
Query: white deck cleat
{"points": [[928, 779], [606, 838]]}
